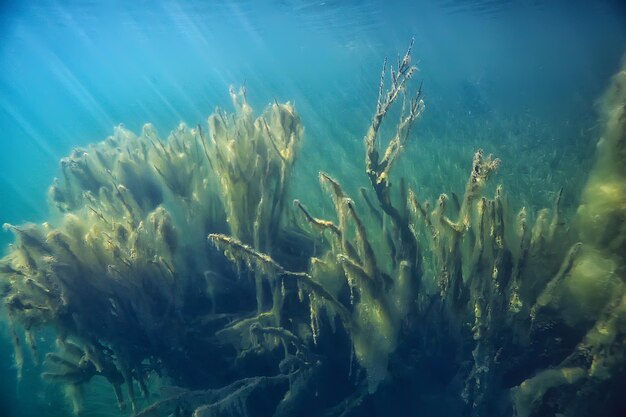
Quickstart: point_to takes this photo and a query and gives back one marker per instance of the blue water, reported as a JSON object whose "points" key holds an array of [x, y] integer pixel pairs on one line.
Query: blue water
{"points": [[72, 70]]}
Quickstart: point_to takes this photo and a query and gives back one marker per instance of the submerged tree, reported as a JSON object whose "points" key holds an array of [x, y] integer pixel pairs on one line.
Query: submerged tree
{"points": [[524, 313]]}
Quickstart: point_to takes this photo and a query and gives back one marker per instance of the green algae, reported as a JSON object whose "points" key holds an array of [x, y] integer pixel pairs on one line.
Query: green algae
{"points": [[527, 311]]}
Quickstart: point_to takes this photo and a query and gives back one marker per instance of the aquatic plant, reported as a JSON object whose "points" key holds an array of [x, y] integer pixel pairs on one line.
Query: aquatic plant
{"points": [[117, 276], [181, 259]]}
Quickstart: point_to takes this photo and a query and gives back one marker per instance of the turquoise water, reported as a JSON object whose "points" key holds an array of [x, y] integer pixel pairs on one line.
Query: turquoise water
{"points": [[521, 80]]}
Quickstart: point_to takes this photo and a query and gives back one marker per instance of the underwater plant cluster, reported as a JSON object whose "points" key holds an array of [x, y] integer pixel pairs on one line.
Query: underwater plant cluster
{"points": [[179, 271]]}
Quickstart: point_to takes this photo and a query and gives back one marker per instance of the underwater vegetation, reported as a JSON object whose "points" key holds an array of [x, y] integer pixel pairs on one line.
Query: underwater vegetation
{"points": [[180, 266]]}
